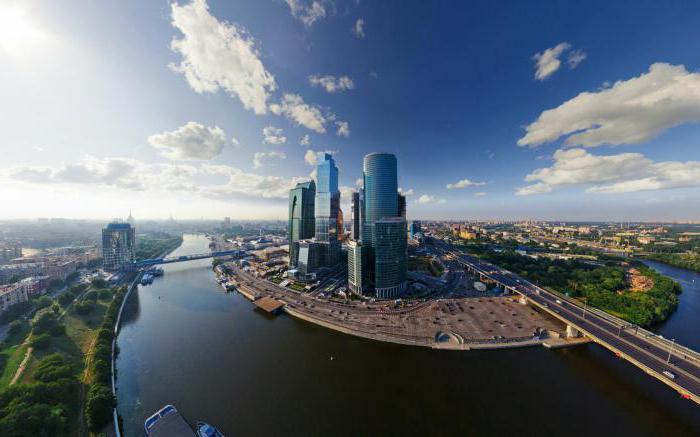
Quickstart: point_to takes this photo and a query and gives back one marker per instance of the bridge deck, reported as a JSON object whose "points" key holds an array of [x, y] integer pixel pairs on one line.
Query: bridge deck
{"points": [[642, 348]]}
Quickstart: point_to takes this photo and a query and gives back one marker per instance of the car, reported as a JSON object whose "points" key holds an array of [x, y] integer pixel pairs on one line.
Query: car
{"points": [[559, 302], [669, 374]]}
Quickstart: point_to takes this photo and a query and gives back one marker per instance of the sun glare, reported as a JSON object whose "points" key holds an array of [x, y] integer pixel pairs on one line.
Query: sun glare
{"points": [[16, 30]]}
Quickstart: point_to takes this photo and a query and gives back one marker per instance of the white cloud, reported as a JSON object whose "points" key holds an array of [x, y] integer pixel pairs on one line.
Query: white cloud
{"points": [[305, 141], [480, 194], [273, 135], [219, 55], [307, 12], [332, 84], [632, 111], [359, 182], [343, 129], [192, 141], [311, 157], [575, 57], [547, 62], [134, 175], [359, 28], [426, 199], [293, 107], [346, 193], [464, 183], [408, 192], [235, 141], [260, 158], [622, 173]]}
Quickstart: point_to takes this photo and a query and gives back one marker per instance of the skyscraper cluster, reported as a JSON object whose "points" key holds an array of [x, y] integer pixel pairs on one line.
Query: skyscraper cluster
{"points": [[376, 252]]}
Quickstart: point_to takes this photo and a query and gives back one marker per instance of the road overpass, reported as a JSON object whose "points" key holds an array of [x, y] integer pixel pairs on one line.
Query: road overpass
{"points": [[650, 352], [177, 259]]}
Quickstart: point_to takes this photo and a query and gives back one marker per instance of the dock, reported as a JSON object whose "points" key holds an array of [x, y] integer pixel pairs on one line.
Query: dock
{"points": [[268, 304]]}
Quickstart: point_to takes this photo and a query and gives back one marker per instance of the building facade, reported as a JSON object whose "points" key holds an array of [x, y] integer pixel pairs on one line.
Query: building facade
{"points": [[384, 239], [118, 246], [357, 267], [414, 228], [327, 207], [301, 217], [12, 295]]}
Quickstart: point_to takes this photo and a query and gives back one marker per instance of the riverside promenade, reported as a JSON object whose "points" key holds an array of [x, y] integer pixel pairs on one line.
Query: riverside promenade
{"points": [[449, 323]]}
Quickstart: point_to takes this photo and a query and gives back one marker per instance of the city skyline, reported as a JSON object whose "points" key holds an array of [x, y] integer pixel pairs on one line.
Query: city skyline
{"points": [[210, 109]]}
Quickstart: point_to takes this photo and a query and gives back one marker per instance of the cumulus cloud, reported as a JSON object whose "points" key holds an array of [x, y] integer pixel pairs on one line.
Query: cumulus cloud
{"points": [[548, 62], [332, 84], [261, 158], [359, 28], [480, 194], [311, 157], [219, 55], [359, 182], [631, 111], [426, 199], [343, 129], [235, 141], [622, 173], [305, 141], [408, 192], [293, 107], [464, 183], [135, 175], [307, 12], [273, 135], [192, 141]]}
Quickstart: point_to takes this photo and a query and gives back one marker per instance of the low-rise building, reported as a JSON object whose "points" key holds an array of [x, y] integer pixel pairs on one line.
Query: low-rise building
{"points": [[12, 294]]}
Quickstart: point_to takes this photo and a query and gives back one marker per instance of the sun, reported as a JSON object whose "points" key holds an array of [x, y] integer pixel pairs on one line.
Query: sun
{"points": [[16, 29]]}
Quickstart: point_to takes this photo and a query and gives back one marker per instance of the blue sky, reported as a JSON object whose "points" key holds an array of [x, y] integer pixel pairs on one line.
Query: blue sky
{"points": [[545, 111]]}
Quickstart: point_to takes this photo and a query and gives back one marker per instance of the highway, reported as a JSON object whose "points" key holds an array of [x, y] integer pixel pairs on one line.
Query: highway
{"points": [[645, 350]]}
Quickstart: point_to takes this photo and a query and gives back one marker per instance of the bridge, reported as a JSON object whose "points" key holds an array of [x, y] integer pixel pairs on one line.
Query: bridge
{"points": [[177, 259], [652, 353]]}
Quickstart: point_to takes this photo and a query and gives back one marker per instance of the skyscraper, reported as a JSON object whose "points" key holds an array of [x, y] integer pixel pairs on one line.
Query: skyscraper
{"points": [[414, 228], [357, 199], [357, 267], [301, 217], [327, 210], [384, 229], [118, 245]]}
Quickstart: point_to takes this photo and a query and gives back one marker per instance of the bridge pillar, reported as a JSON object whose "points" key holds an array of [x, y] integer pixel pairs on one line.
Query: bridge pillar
{"points": [[572, 332]]}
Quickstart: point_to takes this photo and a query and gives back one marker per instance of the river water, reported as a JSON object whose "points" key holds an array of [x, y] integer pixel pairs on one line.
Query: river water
{"points": [[212, 355]]}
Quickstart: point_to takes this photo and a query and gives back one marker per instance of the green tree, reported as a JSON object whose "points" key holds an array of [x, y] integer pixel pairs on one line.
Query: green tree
{"points": [[98, 408]]}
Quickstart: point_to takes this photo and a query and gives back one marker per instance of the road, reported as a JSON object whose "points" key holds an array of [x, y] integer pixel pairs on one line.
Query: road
{"points": [[650, 353]]}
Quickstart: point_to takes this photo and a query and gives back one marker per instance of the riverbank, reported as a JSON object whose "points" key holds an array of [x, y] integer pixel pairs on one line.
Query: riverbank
{"points": [[450, 324]]}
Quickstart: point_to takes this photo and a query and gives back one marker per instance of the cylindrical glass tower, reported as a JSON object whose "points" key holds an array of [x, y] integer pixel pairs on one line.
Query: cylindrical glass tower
{"points": [[381, 186]]}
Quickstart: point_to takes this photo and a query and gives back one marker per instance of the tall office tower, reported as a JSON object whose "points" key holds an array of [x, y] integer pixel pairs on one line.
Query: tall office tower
{"points": [[131, 220], [357, 267], [414, 229], [356, 214], [384, 230], [327, 210], [118, 244], [401, 201], [301, 217], [309, 257]]}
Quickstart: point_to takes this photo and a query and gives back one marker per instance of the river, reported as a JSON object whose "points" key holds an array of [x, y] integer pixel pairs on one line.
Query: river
{"points": [[184, 341]]}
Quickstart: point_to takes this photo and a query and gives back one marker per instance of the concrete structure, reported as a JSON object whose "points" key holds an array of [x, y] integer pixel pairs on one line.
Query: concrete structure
{"points": [[301, 217], [327, 208], [118, 245], [357, 267], [12, 295]]}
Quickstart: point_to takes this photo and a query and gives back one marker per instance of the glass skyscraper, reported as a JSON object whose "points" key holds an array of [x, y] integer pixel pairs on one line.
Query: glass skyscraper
{"points": [[383, 235], [301, 217], [328, 210], [118, 245]]}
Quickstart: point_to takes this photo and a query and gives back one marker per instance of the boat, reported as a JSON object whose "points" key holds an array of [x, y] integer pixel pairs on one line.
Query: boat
{"points": [[167, 422], [206, 430]]}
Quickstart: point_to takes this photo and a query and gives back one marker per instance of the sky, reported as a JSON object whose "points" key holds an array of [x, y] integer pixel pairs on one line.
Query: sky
{"points": [[495, 110]]}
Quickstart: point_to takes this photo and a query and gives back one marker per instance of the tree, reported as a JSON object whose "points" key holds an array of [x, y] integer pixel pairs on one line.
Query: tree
{"points": [[99, 283], [99, 406], [66, 298], [14, 328], [43, 323], [41, 341]]}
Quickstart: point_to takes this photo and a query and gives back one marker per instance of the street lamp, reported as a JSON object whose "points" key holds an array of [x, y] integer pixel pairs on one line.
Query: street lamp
{"points": [[673, 343]]}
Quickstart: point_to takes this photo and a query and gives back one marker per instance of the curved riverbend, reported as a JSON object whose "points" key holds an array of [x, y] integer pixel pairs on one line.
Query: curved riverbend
{"points": [[184, 341]]}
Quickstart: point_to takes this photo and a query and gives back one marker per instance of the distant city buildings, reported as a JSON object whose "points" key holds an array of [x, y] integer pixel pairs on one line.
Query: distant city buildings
{"points": [[414, 229], [9, 251], [118, 246]]}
